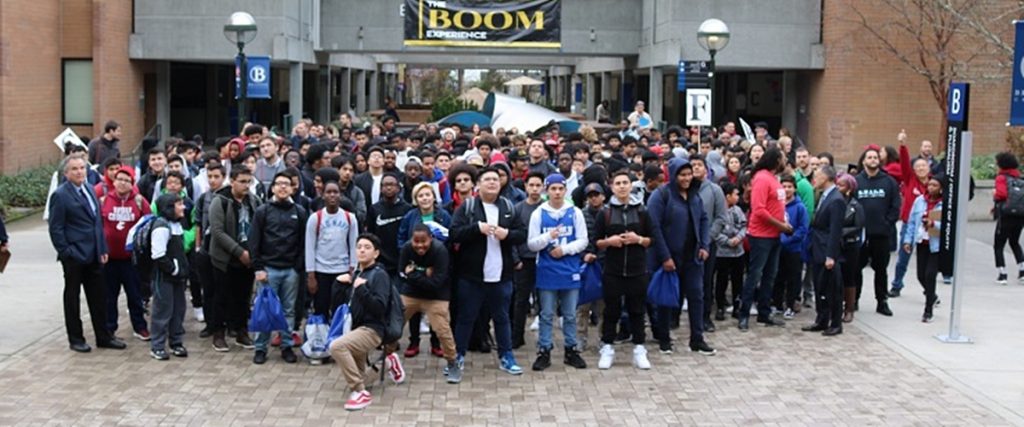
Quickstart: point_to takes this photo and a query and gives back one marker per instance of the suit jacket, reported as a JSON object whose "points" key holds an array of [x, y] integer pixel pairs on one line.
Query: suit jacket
{"points": [[76, 229], [827, 229]]}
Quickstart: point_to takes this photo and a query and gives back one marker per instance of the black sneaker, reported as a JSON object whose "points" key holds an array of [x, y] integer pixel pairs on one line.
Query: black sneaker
{"points": [[744, 324], [720, 314], [159, 354], [206, 332], [709, 326], [1001, 279], [242, 340], [288, 355], [665, 347], [543, 360], [572, 358], [179, 351], [260, 357], [702, 347], [894, 293]]}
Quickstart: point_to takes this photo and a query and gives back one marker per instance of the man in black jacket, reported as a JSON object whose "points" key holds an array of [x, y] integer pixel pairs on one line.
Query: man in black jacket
{"points": [[487, 231], [276, 242], [879, 194], [826, 255], [383, 220]]}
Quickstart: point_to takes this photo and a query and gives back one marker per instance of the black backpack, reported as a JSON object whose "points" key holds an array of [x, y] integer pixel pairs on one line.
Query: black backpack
{"points": [[394, 318], [142, 248], [1014, 204], [853, 223]]}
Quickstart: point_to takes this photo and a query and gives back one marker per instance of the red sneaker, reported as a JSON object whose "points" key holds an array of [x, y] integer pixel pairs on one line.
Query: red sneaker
{"points": [[412, 351], [394, 366], [276, 340], [296, 339], [437, 351], [142, 334], [358, 400]]}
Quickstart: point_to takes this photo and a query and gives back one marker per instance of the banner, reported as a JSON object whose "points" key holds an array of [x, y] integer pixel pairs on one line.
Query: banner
{"points": [[258, 77], [475, 23], [1017, 90]]}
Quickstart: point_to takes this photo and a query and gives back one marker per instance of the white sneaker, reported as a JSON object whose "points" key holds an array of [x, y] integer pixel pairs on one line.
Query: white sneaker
{"points": [[686, 307], [424, 326], [536, 323], [608, 356], [198, 313], [558, 322], [789, 314], [640, 358]]}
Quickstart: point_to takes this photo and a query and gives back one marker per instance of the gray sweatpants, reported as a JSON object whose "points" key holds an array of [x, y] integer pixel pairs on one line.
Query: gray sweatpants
{"points": [[168, 312]]}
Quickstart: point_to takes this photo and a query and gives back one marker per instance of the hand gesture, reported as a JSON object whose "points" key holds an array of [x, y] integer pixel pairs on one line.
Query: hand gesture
{"points": [[902, 136], [556, 253], [344, 278]]}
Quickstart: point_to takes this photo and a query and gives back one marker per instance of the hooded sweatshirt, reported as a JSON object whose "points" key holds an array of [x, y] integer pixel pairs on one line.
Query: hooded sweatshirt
{"points": [[385, 220], [910, 186], [167, 243], [679, 226], [416, 283], [714, 204], [800, 220], [880, 197], [119, 215], [618, 218], [561, 273], [277, 236]]}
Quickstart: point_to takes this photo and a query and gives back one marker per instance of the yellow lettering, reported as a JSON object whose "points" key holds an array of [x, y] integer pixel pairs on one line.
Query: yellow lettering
{"points": [[458, 18], [439, 15], [523, 20], [505, 23]]}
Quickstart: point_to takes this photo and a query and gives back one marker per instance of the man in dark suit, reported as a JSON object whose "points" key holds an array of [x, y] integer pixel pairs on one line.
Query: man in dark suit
{"points": [[826, 238], [76, 231]]}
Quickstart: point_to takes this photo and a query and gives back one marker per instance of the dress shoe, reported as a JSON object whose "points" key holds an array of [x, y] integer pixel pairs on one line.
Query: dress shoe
{"points": [[883, 309], [80, 347], [114, 344], [814, 327], [770, 321], [835, 330], [744, 324]]}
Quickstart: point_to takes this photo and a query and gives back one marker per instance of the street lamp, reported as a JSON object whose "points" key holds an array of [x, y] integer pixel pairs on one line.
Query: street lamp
{"points": [[241, 29], [713, 36]]}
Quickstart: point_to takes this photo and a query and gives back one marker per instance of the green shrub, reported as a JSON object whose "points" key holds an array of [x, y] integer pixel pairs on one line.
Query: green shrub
{"points": [[450, 105], [984, 166], [27, 189]]}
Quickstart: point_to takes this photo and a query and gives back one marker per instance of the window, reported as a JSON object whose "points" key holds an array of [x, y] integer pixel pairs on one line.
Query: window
{"points": [[76, 89]]}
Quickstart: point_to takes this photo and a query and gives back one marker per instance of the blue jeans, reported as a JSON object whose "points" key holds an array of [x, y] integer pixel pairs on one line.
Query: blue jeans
{"points": [[120, 273], [285, 283], [902, 262], [764, 265], [565, 301], [497, 297]]}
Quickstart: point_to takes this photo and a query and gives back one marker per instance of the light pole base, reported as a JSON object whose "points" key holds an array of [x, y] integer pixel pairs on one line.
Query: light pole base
{"points": [[959, 339]]}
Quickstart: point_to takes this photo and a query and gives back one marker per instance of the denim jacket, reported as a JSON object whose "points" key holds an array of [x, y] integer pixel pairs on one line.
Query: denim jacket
{"points": [[914, 232]]}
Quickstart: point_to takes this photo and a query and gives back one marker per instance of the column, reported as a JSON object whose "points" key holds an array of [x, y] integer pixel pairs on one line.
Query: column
{"points": [[295, 92], [606, 86], [588, 101], [374, 90], [163, 99], [573, 93], [361, 92], [654, 104], [323, 95], [346, 89]]}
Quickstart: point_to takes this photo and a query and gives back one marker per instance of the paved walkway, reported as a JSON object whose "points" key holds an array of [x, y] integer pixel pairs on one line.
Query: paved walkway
{"points": [[881, 371]]}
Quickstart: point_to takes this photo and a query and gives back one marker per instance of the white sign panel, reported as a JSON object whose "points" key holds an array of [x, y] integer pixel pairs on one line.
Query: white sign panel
{"points": [[747, 132], [67, 136], [698, 107]]}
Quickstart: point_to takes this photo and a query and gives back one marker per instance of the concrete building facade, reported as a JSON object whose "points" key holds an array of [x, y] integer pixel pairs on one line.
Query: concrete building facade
{"points": [[164, 67]]}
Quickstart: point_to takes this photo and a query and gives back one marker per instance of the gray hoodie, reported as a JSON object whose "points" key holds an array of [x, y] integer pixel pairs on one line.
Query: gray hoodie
{"points": [[735, 225], [714, 205]]}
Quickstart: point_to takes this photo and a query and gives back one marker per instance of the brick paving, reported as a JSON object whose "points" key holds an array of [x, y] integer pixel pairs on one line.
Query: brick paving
{"points": [[767, 376]]}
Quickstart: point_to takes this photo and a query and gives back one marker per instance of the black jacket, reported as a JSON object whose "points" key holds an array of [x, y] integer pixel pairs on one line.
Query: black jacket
{"points": [[465, 232], [880, 197], [369, 301], [827, 229], [616, 218], [417, 284], [383, 220], [277, 236]]}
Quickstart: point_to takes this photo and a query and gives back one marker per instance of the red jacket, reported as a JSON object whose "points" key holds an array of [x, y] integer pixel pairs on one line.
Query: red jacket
{"points": [[119, 215], [1001, 192], [910, 186], [894, 170]]}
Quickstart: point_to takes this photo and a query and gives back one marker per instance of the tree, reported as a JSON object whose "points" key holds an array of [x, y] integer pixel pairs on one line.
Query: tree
{"points": [[437, 84], [492, 80], [939, 40]]}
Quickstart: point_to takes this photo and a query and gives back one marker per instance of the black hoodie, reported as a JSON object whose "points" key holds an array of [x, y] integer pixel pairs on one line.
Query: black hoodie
{"points": [[594, 173], [172, 264], [277, 236], [880, 198], [383, 220], [615, 219], [417, 284]]}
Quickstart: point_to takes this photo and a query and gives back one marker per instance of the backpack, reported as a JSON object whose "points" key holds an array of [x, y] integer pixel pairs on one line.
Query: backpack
{"points": [[141, 247], [394, 317], [471, 205], [1014, 204], [853, 223]]}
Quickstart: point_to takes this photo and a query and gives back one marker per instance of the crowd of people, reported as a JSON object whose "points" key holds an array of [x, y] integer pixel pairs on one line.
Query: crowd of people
{"points": [[481, 229]]}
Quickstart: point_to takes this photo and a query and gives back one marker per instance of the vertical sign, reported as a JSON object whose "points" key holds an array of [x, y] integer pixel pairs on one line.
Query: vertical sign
{"points": [[698, 107], [257, 76], [1017, 90], [954, 201], [681, 77]]}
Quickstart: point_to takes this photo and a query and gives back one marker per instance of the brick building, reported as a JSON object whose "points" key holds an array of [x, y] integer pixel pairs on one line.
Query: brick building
{"points": [[79, 63]]}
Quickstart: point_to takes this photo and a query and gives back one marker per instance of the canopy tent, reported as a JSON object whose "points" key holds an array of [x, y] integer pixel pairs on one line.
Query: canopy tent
{"points": [[513, 112], [523, 81], [466, 119], [476, 95]]}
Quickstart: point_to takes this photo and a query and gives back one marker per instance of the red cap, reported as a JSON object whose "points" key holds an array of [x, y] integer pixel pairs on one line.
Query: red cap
{"points": [[872, 147], [128, 170]]}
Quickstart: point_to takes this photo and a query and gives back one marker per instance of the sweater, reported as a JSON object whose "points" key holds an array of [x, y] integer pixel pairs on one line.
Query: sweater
{"points": [[735, 226], [330, 243], [767, 200]]}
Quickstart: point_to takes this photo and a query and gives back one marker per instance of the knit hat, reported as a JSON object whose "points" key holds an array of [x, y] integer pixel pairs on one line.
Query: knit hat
{"points": [[555, 178]]}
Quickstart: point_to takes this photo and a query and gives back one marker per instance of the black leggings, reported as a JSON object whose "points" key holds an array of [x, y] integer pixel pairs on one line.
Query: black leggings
{"points": [[1008, 230], [728, 269], [927, 270]]}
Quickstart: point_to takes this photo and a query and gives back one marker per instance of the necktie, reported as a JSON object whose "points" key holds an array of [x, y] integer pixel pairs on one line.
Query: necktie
{"points": [[92, 207]]}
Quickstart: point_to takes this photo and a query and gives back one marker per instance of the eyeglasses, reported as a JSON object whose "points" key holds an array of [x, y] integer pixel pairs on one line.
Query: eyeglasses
{"points": [[461, 180], [282, 184], [125, 180]]}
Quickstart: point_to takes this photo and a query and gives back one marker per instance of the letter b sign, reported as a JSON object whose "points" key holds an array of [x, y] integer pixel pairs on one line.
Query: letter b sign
{"points": [[956, 107]]}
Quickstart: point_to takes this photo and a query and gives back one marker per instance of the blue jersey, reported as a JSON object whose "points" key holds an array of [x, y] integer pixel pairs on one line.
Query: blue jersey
{"points": [[564, 272]]}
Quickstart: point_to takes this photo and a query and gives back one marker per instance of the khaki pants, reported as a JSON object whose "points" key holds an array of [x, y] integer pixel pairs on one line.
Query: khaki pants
{"points": [[439, 318], [350, 353], [583, 321]]}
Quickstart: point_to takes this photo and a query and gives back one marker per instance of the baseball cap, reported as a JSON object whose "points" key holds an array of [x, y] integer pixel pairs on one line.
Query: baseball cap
{"points": [[593, 187], [555, 178]]}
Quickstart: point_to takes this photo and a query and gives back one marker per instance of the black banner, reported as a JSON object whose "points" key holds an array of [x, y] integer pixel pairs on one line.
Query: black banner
{"points": [[956, 117], [483, 23]]}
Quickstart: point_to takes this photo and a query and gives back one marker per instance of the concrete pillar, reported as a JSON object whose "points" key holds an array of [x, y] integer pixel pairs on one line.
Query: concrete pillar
{"points": [[374, 90], [295, 91], [606, 86], [323, 95], [790, 102], [360, 92], [655, 103], [577, 105], [589, 101], [163, 98], [346, 89]]}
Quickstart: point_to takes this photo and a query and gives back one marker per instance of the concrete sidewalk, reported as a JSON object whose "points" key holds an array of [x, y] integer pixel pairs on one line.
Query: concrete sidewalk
{"points": [[990, 369]]}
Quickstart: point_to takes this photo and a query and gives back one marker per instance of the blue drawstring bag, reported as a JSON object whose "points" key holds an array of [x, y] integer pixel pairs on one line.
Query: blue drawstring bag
{"points": [[590, 283], [267, 315], [317, 331], [664, 289], [341, 323]]}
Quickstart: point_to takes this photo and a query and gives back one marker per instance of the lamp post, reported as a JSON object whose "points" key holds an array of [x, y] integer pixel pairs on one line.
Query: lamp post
{"points": [[713, 36], [241, 29]]}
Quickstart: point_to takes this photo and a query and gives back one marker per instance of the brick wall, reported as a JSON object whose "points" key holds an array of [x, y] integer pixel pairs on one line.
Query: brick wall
{"points": [[118, 81], [862, 98]]}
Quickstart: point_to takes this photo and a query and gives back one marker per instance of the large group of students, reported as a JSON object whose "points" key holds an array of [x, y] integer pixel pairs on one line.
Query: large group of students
{"points": [[481, 230]]}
